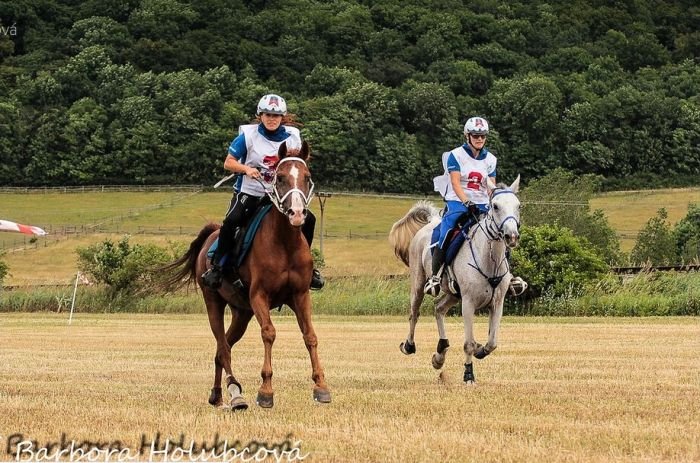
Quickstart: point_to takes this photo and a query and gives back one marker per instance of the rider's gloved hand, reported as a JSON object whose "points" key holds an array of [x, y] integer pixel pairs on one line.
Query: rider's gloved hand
{"points": [[252, 172]]}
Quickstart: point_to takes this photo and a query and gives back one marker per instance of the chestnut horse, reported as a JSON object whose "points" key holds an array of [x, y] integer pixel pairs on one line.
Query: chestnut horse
{"points": [[277, 271]]}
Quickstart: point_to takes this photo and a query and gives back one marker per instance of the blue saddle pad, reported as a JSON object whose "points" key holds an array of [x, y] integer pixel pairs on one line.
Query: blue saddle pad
{"points": [[247, 238], [456, 242]]}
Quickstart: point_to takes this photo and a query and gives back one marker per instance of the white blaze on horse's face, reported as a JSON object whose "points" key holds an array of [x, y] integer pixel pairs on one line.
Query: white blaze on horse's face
{"points": [[297, 213], [293, 186]]}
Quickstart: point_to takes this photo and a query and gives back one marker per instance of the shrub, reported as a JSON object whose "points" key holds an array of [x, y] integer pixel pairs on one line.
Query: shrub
{"points": [[4, 269], [319, 261], [549, 200], [655, 243], [121, 266], [687, 235], [555, 262]]}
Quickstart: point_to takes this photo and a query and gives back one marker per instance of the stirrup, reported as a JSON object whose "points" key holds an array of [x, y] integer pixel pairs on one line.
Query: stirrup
{"points": [[213, 277], [517, 286], [317, 281], [432, 286]]}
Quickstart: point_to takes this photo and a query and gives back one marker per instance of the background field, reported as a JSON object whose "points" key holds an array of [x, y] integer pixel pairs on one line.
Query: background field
{"points": [[557, 389], [356, 227]]}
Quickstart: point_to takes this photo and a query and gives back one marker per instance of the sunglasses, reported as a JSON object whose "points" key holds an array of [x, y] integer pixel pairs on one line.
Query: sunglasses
{"points": [[478, 137]]}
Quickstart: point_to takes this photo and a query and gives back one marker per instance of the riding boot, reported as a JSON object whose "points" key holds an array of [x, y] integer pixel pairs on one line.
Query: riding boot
{"points": [[317, 281], [432, 286], [213, 277]]}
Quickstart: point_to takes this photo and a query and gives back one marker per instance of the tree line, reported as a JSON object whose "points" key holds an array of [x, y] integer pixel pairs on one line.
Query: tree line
{"points": [[152, 91]]}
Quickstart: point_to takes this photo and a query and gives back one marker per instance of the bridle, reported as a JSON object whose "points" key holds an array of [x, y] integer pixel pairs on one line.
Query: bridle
{"points": [[494, 232], [273, 193]]}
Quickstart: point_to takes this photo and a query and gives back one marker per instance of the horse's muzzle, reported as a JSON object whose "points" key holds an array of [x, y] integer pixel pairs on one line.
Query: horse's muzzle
{"points": [[297, 217], [512, 239]]}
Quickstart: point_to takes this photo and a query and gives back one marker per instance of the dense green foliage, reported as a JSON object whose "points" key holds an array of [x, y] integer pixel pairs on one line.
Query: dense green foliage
{"points": [[555, 262], [4, 269], [151, 91], [121, 266], [660, 244], [655, 244], [562, 199]]}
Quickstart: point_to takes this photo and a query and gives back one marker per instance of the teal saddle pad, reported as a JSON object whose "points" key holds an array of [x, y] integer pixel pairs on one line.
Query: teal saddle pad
{"points": [[247, 237]]}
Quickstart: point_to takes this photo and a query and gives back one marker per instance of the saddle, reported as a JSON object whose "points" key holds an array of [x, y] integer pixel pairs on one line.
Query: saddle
{"points": [[244, 238]]}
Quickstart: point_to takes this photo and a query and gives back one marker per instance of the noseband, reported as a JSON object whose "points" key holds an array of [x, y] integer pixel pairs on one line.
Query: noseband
{"points": [[274, 195]]}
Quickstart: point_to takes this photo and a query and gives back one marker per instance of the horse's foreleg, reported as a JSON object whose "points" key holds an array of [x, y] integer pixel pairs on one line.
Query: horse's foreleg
{"points": [[495, 315], [408, 347], [470, 345], [443, 304], [261, 308], [302, 309]]}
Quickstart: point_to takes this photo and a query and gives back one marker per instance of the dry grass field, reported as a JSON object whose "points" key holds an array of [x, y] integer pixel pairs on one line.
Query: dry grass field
{"points": [[574, 390]]}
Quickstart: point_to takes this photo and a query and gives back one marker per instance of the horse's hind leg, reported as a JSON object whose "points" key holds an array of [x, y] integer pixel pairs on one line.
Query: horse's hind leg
{"points": [[239, 324], [443, 305], [222, 360], [302, 309], [408, 347]]}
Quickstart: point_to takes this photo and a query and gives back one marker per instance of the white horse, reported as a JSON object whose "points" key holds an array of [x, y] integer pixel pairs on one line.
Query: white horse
{"points": [[480, 270]]}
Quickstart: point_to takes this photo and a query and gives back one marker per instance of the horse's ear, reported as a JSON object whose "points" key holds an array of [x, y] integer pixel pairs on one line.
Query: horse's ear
{"points": [[305, 151], [516, 185], [490, 185], [282, 151]]}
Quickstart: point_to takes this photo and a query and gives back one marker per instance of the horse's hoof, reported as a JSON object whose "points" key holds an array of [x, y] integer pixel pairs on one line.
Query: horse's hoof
{"points": [[437, 362], [407, 348], [322, 396], [215, 398], [265, 400], [470, 383], [481, 353], [238, 403]]}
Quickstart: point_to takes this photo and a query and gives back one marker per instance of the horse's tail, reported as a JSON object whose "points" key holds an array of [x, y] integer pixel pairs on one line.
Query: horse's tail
{"points": [[403, 231], [183, 271]]}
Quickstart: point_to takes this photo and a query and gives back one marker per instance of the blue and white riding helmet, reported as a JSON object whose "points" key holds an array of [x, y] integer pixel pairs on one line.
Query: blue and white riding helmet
{"points": [[476, 126], [272, 104]]}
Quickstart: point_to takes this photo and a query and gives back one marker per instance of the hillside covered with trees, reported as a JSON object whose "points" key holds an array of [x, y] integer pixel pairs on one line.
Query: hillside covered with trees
{"points": [[152, 91]]}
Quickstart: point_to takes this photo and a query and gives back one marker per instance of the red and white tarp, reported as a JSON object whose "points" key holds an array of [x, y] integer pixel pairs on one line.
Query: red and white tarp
{"points": [[6, 225]]}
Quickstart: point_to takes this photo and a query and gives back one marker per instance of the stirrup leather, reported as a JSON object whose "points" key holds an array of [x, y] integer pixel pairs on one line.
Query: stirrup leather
{"points": [[452, 281]]}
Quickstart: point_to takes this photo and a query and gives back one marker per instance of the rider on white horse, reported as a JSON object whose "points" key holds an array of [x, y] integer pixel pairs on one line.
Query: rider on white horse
{"points": [[468, 168]]}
